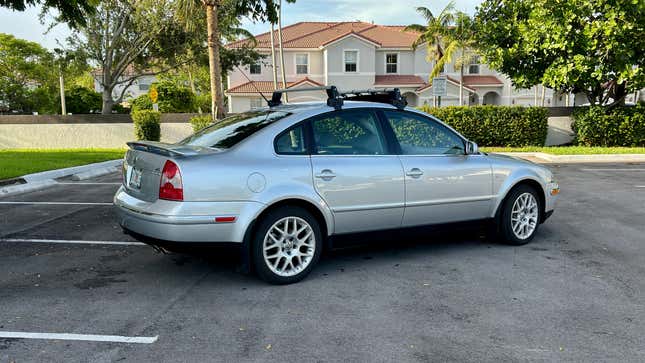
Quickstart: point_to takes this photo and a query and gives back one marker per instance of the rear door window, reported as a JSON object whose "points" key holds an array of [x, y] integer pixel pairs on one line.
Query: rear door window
{"points": [[348, 133]]}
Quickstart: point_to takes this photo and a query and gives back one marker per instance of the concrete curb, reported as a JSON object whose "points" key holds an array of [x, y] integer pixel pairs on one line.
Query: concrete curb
{"points": [[26, 188], [46, 179], [59, 173], [593, 158]]}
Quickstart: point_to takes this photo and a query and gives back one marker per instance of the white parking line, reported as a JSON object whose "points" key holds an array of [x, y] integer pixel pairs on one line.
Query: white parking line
{"points": [[611, 169], [83, 337], [56, 203], [639, 186], [64, 241], [88, 183]]}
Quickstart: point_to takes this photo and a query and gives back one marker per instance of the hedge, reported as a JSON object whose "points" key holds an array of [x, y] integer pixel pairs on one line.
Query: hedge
{"points": [[602, 126], [496, 125], [200, 122], [142, 102], [147, 125], [82, 100]]}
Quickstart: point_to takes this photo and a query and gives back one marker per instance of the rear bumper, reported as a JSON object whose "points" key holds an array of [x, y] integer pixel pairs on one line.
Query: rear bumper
{"points": [[184, 221]]}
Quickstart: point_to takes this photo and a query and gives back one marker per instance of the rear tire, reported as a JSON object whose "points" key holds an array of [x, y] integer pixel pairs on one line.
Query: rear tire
{"points": [[287, 245], [519, 219]]}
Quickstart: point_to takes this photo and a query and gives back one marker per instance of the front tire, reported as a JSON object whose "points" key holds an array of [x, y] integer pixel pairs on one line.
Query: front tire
{"points": [[287, 245], [520, 216]]}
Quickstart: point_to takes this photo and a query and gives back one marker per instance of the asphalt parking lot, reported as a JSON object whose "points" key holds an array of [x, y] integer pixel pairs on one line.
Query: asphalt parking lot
{"points": [[576, 293]]}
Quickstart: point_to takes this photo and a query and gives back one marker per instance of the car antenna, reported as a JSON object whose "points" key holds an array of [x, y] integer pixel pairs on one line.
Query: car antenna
{"points": [[252, 84]]}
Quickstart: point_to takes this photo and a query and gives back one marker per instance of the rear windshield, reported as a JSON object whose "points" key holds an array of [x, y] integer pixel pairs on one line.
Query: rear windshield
{"points": [[231, 130]]}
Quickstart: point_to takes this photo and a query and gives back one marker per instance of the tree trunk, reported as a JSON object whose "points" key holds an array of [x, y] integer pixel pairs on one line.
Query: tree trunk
{"points": [[108, 102], [217, 100]]}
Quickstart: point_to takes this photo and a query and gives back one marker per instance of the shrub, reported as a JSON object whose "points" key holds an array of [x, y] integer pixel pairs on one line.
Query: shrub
{"points": [[496, 125], [142, 102], [147, 125], [203, 102], [200, 122], [602, 126], [174, 98], [82, 100]]}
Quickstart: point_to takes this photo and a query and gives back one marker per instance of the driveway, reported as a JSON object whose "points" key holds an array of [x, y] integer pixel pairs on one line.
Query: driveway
{"points": [[576, 293]]}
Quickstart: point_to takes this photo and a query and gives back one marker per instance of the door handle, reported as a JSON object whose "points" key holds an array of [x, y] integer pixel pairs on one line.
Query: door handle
{"points": [[326, 174], [414, 173]]}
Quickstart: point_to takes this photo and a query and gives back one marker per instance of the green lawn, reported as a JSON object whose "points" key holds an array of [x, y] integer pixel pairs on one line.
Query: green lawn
{"points": [[569, 150], [18, 162]]}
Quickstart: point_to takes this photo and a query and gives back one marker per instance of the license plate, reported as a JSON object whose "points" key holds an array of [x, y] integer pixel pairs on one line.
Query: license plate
{"points": [[135, 179]]}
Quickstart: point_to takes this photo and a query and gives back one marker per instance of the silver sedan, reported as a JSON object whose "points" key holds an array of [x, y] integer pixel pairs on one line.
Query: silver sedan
{"points": [[282, 180]]}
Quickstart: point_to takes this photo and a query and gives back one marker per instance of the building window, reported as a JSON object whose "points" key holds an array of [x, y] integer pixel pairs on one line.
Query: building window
{"points": [[302, 63], [473, 68], [144, 86], [255, 68], [257, 102], [351, 60], [391, 63]]}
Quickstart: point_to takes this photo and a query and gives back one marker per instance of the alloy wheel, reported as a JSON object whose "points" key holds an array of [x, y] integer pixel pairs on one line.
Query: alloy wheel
{"points": [[524, 216], [289, 246]]}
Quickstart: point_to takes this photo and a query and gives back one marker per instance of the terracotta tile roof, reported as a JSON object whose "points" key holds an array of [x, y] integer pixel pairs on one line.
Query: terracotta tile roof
{"points": [[480, 80], [450, 80], [267, 86], [317, 34], [396, 79]]}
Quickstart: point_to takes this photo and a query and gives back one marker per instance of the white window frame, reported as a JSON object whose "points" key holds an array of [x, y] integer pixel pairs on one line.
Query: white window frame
{"points": [[295, 63], [256, 64], [398, 62], [256, 99], [358, 61], [478, 64]]}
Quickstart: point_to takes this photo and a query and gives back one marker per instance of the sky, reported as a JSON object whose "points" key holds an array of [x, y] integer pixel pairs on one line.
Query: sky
{"points": [[26, 25]]}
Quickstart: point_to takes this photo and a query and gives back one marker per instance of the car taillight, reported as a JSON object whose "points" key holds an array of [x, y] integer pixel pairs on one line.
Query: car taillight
{"points": [[171, 187]]}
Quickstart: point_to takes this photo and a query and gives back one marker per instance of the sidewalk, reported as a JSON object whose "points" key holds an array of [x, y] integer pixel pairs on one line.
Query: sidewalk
{"points": [[545, 158]]}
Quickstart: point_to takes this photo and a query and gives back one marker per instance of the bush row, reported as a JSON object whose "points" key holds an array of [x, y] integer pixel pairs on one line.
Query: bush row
{"points": [[171, 98], [496, 125], [602, 126]]}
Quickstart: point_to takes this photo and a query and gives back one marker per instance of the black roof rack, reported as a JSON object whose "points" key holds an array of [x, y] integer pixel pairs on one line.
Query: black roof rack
{"points": [[335, 99]]}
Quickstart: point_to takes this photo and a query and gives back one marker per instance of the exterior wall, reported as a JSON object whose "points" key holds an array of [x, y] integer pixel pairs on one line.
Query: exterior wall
{"points": [[239, 104], [95, 135], [406, 64], [316, 68], [364, 77]]}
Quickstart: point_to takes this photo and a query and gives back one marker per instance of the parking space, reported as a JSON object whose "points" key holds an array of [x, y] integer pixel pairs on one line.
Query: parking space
{"points": [[575, 293]]}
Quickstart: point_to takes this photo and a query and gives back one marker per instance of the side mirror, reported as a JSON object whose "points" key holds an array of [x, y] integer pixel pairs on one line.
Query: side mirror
{"points": [[471, 148]]}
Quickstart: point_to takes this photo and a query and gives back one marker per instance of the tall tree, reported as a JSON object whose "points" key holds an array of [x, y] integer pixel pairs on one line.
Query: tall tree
{"points": [[129, 39], [254, 9], [25, 75], [594, 47], [72, 12]]}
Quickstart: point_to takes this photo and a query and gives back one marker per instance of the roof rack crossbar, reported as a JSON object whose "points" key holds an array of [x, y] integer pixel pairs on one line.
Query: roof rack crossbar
{"points": [[336, 99], [276, 98]]}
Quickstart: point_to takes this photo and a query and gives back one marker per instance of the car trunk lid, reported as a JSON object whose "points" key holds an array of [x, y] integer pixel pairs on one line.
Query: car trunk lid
{"points": [[144, 163]]}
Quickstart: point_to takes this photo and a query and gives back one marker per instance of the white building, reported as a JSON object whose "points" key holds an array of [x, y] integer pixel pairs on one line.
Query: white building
{"points": [[358, 55], [139, 87]]}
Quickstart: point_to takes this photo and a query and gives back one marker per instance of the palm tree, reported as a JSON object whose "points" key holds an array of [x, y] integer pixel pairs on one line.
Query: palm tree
{"points": [[448, 35], [255, 9], [188, 8]]}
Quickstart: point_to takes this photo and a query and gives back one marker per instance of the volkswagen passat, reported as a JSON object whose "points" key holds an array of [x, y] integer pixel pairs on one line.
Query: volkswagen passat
{"points": [[282, 180]]}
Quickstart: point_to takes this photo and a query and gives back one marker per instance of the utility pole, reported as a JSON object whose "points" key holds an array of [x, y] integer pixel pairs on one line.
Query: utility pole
{"points": [[275, 66], [62, 94], [284, 77]]}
